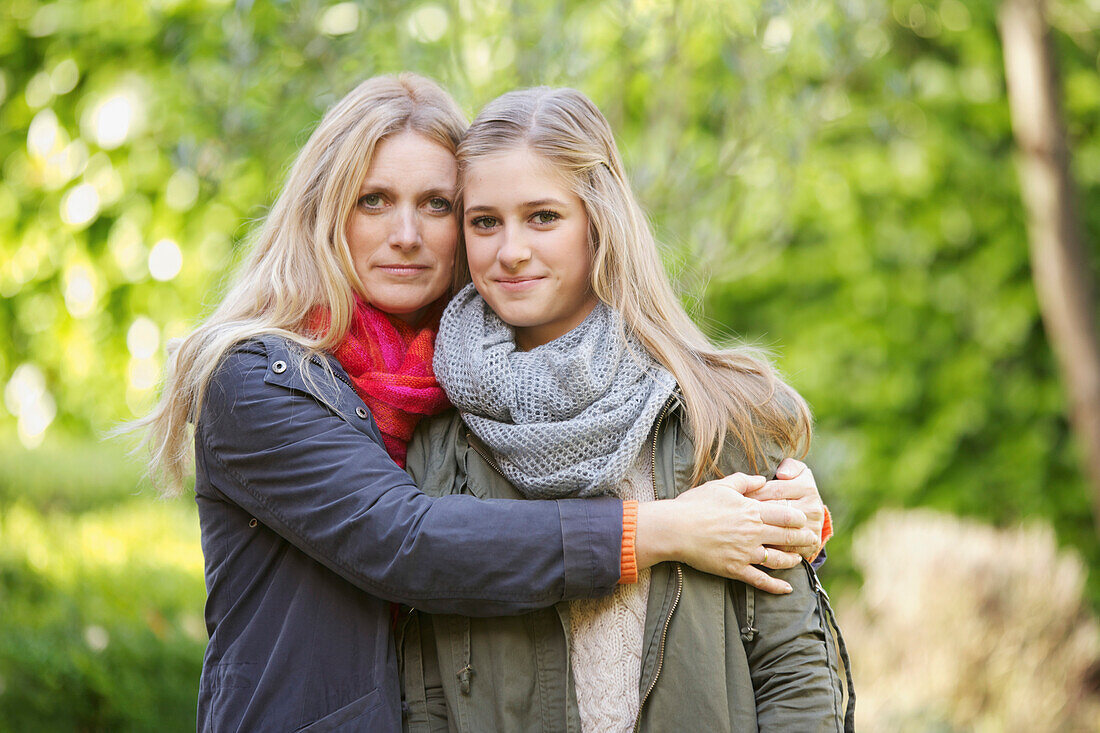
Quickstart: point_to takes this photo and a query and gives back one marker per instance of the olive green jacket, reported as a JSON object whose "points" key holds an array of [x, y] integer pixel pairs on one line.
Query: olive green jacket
{"points": [[717, 654]]}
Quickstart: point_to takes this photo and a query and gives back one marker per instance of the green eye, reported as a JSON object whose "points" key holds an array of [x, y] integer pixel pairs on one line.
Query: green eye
{"points": [[484, 222], [371, 200], [546, 217], [440, 204]]}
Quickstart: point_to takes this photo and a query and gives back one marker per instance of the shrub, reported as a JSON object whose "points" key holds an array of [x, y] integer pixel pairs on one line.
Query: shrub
{"points": [[102, 627], [960, 626]]}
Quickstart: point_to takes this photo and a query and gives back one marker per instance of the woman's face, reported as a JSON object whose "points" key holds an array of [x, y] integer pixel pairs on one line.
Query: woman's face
{"points": [[527, 245], [402, 232]]}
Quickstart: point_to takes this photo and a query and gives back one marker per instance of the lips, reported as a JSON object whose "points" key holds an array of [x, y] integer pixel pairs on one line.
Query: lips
{"points": [[519, 284], [402, 269]]}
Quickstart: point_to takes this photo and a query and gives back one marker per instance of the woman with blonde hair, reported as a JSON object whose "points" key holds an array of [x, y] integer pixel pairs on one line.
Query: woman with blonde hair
{"points": [[303, 387], [576, 373]]}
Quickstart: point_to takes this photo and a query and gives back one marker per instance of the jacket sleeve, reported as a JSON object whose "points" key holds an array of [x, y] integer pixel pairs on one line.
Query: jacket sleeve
{"points": [[331, 490], [794, 657]]}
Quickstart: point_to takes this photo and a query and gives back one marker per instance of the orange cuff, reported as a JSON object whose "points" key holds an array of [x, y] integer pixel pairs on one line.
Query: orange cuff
{"points": [[628, 559], [826, 533]]}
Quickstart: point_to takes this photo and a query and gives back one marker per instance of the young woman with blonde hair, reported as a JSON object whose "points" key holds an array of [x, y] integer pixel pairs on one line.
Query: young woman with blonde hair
{"points": [[303, 387], [576, 373]]}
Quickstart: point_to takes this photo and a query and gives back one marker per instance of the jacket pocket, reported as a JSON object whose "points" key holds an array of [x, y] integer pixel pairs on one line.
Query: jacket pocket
{"points": [[224, 692], [354, 716]]}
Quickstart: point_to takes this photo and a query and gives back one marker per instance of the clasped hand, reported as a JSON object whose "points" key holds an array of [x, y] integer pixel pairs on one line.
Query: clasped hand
{"points": [[731, 525]]}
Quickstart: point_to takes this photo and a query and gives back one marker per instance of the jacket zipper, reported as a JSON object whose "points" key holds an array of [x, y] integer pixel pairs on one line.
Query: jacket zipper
{"points": [[470, 438], [316, 360], [679, 573]]}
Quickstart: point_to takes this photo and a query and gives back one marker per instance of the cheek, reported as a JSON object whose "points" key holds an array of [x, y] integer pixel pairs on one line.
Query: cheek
{"points": [[478, 255], [363, 237], [443, 238], [579, 257]]}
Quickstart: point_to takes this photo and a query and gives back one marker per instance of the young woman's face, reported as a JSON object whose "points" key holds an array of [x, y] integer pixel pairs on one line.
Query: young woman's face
{"points": [[527, 245], [402, 232]]}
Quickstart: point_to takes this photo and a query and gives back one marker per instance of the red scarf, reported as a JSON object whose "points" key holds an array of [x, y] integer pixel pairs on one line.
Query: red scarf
{"points": [[390, 365]]}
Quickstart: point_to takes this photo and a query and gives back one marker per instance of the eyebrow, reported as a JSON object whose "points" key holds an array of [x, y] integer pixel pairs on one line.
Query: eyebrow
{"points": [[478, 209], [526, 205], [368, 187], [544, 202]]}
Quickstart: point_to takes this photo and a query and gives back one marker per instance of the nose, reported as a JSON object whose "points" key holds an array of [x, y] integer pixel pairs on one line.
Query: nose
{"points": [[405, 232], [514, 250]]}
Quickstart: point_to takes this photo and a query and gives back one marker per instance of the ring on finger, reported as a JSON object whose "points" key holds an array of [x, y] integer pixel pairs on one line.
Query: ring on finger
{"points": [[765, 560]]}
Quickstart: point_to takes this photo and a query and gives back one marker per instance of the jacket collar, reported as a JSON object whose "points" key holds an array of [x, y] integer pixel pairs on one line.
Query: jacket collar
{"points": [[320, 376]]}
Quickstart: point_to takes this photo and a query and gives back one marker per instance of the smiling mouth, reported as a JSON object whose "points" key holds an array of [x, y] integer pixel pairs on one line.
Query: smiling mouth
{"points": [[402, 270], [518, 283]]}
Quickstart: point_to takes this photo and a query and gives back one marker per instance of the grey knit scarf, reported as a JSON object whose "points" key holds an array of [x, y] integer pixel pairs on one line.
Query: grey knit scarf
{"points": [[565, 419]]}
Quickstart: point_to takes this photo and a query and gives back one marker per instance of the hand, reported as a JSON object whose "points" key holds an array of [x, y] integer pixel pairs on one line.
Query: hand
{"points": [[715, 529], [794, 486]]}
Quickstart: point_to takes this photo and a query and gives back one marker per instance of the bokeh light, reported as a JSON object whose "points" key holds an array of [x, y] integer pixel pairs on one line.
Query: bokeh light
{"points": [[80, 290], [777, 35], [182, 190], [339, 20], [38, 92], [96, 637], [80, 205], [127, 250], [64, 77], [165, 260], [44, 136], [143, 338], [27, 398], [428, 23], [142, 374], [113, 119]]}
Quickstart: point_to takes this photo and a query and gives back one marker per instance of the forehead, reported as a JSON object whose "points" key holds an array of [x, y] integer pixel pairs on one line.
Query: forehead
{"points": [[518, 174], [412, 160]]}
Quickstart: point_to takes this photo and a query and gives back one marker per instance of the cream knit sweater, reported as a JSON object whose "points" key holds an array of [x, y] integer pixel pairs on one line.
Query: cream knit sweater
{"points": [[606, 637]]}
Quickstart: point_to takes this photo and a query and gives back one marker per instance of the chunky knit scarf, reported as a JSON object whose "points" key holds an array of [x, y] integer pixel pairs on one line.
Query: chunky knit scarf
{"points": [[390, 365], [565, 419]]}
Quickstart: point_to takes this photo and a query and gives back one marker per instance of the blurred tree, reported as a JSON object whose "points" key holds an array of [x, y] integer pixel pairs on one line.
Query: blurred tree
{"points": [[1063, 276]]}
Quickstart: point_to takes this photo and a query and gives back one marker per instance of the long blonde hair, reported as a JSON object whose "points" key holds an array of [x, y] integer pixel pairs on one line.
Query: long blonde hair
{"points": [[299, 259], [725, 390]]}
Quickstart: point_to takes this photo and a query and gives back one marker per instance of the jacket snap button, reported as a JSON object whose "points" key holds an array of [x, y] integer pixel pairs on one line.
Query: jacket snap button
{"points": [[279, 367], [252, 522], [361, 412]]}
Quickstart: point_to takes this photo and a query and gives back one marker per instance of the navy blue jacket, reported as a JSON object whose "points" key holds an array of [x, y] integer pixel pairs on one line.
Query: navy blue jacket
{"points": [[310, 530]]}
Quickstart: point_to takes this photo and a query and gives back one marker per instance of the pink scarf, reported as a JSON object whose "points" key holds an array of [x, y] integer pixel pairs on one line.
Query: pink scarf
{"points": [[390, 365]]}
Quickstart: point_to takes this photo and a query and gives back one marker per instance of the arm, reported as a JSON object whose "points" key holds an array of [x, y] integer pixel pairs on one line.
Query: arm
{"points": [[795, 659], [793, 655], [330, 489], [712, 527]]}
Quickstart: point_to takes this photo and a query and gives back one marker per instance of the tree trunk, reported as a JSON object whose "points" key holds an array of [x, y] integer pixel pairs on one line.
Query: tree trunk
{"points": [[1059, 261]]}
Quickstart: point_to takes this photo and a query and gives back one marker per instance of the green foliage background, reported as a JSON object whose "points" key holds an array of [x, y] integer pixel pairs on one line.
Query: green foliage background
{"points": [[833, 180]]}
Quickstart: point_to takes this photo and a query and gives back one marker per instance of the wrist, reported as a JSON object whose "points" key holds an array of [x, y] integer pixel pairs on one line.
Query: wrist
{"points": [[656, 538]]}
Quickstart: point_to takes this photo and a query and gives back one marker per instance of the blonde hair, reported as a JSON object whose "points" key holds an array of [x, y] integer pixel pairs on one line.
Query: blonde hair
{"points": [[725, 390], [299, 259]]}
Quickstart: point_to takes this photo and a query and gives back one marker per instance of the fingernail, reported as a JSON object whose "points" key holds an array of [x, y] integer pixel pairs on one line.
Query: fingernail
{"points": [[787, 588]]}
